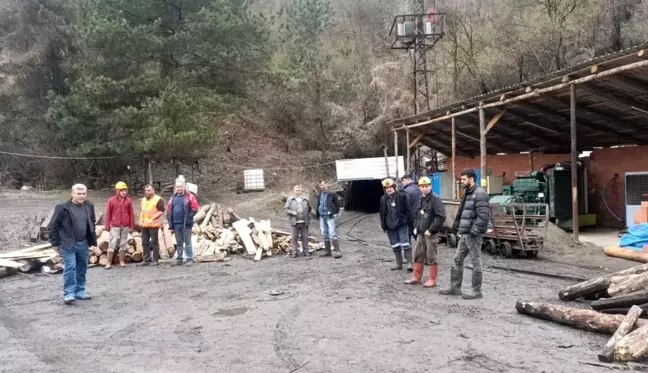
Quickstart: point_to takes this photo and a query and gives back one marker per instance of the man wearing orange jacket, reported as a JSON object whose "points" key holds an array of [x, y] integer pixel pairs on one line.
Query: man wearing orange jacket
{"points": [[150, 221]]}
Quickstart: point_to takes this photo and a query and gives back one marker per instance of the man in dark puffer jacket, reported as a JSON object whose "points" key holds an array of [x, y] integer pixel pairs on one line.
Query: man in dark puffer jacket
{"points": [[471, 223]]}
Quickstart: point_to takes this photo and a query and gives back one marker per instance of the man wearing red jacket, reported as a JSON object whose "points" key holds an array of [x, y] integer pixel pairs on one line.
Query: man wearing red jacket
{"points": [[180, 213], [120, 219]]}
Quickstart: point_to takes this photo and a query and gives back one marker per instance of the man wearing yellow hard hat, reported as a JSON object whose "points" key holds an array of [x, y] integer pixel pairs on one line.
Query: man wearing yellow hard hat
{"points": [[120, 219], [394, 215], [430, 216]]}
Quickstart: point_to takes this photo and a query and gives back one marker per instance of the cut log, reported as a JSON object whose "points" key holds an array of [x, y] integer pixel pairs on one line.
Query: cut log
{"points": [[607, 355], [28, 265], [99, 218], [99, 230], [596, 284], [130, 249], [130, 240], [10, 263], [93, 259], [619, 252], [244, 232], [633, 346], [624, 311], [35, 233], [620, 302], [137, 256], [574, 317], [234, 215], [207, 219], [94, 250], [623, 285], [138, 244], [128, 258], [103, 260], [45, 223], [104, 241], [219, 216], [164, 251], [258, 254], [200, 215]]}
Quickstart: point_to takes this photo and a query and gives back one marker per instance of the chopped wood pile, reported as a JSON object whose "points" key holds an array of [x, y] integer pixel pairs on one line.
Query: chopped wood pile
{"points": [[217, 232], [221, 232], [619, 303]]}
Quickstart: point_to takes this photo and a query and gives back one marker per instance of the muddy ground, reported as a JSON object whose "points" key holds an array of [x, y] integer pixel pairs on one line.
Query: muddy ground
{"points": [[351, 314]]}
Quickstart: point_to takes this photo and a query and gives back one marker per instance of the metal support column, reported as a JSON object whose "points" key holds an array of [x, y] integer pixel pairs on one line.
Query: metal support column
{"points": [[482, 145], [396, 153], [574, 161], [407, 161], [454, 160]]}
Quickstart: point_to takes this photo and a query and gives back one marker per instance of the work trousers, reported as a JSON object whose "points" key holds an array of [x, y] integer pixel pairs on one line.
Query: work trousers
{"points": [[425, 249], [150, 241], [299, 230], [468, 245], [118, 239], [399, 238], [75, 267], [183, 241]]}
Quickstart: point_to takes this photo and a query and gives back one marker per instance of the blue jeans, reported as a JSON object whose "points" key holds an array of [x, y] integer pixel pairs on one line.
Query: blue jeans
{"points": [[399, 238], [75, 267], [327, 226], [183, 239]]}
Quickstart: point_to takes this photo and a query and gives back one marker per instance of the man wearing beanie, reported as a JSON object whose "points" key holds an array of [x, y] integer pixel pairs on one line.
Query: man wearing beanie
{"points": [[180, 212]]}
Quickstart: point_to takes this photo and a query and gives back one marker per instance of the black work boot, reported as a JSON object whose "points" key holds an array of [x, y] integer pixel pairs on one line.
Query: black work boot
{"points": [[476, 287], [327, 249], [399, 260], [336, 248], [408, 257], [455, 283]]}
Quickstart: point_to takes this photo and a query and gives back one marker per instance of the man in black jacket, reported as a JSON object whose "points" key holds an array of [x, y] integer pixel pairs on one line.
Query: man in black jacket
{"points": [[471, 224], [328, 206], [394, 215], [430, 216], [72, 232]]}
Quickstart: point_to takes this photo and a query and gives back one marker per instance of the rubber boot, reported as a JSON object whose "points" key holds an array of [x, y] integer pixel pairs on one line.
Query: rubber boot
{"points": [[408, 257], [476, 287], [418, 273], [434, 271], [399, 260], [455, 283], [111, 255], [336, 249], [122, 259], [327, 249]]}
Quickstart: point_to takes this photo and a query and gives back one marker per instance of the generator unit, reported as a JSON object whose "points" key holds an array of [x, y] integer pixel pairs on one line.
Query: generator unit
{"points": [[560, 193], [530, 189]]}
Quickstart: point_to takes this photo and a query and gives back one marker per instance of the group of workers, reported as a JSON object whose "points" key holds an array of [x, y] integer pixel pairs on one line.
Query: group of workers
{"points": [[419, 215], [72, 230], [412, 213]]}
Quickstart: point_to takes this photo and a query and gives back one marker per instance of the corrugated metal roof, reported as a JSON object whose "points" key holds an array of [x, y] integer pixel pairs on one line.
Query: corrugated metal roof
{"points": [[612, 110]]}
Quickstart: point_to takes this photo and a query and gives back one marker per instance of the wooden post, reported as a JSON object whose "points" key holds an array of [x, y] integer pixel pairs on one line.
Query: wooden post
{"points": [[407, 140], [574, 161], [396, 154], [454, 160], [482, 145]]}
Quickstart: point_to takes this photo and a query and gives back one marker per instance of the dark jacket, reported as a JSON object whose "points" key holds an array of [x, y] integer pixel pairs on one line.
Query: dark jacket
{"points": [[119, 213], [430, 214], [474, 212], [333, 203], [393, 217], [62, 226], [190, 205], [414, 193]]}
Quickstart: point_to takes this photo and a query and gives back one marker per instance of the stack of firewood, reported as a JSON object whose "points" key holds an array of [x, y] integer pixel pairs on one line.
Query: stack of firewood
{"points": [[32, 258], [221, 232], [134, 248], [612, 296]]}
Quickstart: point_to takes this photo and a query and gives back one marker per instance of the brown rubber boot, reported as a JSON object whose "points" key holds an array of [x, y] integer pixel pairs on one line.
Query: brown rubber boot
{"points": [[418, 273], [111, 255], [122, 259], [434, 271]]}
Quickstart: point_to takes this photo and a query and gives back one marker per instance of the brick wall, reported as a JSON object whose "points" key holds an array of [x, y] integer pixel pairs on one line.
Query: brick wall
{"points": [[602, 166]]}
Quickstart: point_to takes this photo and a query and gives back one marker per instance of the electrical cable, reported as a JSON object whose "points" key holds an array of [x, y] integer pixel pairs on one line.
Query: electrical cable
{"points": [[54, 157], [605, 202]]}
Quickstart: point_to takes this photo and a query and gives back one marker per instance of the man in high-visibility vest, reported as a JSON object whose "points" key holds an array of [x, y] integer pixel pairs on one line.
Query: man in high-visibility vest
{"points": [[150, 221]]}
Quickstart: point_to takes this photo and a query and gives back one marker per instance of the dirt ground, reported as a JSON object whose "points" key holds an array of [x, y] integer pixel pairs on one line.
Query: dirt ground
{"points": [[351, 314]]}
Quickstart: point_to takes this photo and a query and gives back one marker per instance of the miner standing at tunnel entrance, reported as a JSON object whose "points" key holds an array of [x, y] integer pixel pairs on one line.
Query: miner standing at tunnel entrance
{"points": [[328, 206], [430, 216], [394, 216]]}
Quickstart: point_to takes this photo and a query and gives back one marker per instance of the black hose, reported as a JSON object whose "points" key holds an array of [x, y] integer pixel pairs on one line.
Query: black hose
{"points": [[605, 202]]}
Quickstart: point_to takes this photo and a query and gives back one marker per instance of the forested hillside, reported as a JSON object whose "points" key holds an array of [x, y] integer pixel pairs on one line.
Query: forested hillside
{"points": [[164, 79]]}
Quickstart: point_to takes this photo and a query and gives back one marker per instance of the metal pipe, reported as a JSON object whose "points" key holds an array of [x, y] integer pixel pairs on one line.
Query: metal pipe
{"points": [[386, 160], [396, 154], [408, 155], [574, 161], [454, 159]]}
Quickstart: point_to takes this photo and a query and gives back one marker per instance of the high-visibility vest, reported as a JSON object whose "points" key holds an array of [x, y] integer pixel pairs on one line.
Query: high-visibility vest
{"points": [[149, 209]]}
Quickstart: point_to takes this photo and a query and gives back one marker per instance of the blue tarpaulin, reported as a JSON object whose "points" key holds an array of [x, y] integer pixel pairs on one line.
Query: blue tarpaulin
{"points": [[636, 237]]}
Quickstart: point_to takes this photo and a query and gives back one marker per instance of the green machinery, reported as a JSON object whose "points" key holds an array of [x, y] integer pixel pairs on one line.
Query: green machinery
{"points": [[551, 185]]}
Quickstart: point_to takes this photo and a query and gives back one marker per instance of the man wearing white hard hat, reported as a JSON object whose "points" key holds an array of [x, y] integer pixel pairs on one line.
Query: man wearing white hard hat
{"points": [[180, 213]]}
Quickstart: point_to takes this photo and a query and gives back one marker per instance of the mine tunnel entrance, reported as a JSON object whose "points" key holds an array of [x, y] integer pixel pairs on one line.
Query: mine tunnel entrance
{"points": [[363, 196]]}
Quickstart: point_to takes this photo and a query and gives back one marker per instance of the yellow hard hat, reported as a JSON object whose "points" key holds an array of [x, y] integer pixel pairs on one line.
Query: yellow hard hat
{"points": [[387, 183], [424, 181], [121, 185]]}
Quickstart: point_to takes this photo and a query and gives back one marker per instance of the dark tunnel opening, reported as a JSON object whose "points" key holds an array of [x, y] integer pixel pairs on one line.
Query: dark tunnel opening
{"points": [[364, 196]]}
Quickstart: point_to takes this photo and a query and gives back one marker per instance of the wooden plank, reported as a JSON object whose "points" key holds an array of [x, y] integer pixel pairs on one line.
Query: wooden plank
{"points": [[35, 232], [607, 355], [416, 141], [10, 263], [47, 221], [494, 120]]}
